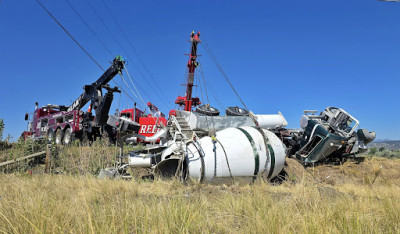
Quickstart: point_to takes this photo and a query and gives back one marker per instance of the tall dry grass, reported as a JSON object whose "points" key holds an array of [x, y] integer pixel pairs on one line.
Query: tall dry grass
{"points": [[84, 204], [72, 159], [351, 198]]}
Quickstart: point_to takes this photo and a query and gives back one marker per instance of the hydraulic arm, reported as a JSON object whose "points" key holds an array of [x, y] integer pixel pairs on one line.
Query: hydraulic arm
{"points": [[93, 92]]}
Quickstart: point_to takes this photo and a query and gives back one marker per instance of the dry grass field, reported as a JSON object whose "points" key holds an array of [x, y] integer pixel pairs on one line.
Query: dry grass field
{"points": [[349, 198]]}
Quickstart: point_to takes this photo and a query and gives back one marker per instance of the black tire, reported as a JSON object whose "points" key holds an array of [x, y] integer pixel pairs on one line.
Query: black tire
{"points": [[59, 136], [236, 111], [85, 138], [50, 135], [68, 136], [207, 110]]}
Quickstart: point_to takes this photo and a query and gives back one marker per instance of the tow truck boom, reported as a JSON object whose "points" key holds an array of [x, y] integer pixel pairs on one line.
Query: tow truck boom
{"points": [[63, 124], [93, 91]]}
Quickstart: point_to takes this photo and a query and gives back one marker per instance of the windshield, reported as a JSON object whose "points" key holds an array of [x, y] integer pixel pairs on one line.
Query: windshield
{"points": [[126, 115], [350, 125], [346, 123]]}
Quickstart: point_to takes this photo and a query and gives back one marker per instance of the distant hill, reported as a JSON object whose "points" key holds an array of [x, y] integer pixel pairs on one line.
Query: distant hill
{"points": [[382, 140], [389, 144]]}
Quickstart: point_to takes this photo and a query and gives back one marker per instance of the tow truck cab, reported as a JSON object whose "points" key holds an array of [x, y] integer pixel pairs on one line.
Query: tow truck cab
{"points": [[149, 124]]}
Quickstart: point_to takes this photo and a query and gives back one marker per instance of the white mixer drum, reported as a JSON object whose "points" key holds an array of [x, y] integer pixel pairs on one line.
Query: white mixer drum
{"points": [[237, 152]]}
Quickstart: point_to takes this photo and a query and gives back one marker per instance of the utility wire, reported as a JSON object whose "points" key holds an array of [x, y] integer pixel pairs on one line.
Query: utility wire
{"points": [[105, 26], [90, 29], [66, 31], [80, 46], [134, 50], [109, 31], [123, 50]]}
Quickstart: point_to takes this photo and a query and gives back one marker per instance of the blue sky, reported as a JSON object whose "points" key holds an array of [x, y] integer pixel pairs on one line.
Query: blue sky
{"points": [[280, 55]]}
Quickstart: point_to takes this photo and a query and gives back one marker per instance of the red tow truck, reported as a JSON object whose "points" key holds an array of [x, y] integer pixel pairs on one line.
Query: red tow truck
{"points": [[65, 123], [149, 124]]}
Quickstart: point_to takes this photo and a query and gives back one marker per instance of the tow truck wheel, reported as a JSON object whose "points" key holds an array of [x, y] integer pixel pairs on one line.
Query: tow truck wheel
{"points": [[67, 136], [85, 138], [59, 136], [50, 135]]}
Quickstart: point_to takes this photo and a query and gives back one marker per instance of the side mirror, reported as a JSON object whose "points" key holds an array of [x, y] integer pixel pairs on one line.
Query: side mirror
{"points": [[26, 116]]}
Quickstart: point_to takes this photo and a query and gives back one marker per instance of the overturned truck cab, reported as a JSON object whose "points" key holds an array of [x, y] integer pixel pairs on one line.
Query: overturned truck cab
{"points": [[332, 135]]}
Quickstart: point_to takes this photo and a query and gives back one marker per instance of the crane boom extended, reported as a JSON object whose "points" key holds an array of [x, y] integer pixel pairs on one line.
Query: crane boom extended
{"points": [[93, 90], [188, 101]]}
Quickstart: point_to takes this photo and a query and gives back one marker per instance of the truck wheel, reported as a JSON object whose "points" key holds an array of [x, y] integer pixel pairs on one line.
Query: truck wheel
{"points": [[50, 135], [85, 138], [236, 111], [207, 110], [67, 136], [59, 136]]}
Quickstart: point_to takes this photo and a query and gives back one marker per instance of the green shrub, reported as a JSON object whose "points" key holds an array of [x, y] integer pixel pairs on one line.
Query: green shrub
{"points": [[372, 151]]}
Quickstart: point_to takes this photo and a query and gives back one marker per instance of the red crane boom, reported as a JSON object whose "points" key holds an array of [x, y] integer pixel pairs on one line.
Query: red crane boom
{"points": [[188, 101]]}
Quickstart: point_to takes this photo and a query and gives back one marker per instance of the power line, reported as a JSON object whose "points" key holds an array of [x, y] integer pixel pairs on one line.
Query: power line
{"points": [[90, 29], [123, 50], [66, 31], [80, 46], [105, 26], [133, 49]]}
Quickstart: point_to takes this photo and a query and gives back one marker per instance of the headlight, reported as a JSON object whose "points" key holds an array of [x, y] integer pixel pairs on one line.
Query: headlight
{"points": [[304, 121]]}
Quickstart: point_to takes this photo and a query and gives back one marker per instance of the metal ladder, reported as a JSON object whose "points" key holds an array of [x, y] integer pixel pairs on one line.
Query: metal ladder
{"points": [[181, 128]]}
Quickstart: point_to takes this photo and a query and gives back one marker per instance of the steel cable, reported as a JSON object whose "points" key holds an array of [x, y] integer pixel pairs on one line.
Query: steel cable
{"points": [[213, 93], [214, 59], [123, 50], [140, 97]]}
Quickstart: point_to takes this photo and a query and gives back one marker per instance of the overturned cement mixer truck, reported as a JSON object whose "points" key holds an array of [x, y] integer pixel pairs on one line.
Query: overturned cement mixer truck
{"points": [[202, 146]]}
